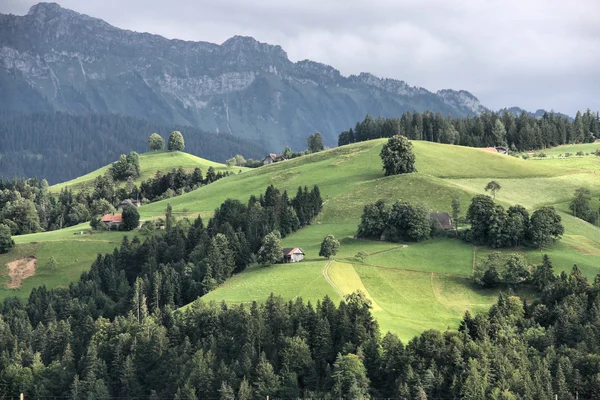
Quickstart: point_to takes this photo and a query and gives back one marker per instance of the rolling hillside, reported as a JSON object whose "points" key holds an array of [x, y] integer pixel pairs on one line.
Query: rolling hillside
{"points": [[413, 287], [150, 163]]}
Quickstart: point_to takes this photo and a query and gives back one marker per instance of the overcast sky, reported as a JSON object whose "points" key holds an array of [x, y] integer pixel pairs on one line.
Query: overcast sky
{"points": [[529, 53]]}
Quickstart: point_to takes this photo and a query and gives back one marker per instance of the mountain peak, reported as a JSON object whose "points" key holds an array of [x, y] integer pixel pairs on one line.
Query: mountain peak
{"points": [[43, 9]]}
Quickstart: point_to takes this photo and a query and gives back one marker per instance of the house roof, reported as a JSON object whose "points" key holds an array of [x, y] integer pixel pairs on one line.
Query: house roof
{"points": [[128, 202], [114, 218], [288, 251], [275, 157], [442, 218], [492, 149]]}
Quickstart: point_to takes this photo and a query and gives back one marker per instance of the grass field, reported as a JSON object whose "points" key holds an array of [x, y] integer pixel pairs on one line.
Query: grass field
{"points": [[150, 163], [413, 287]]}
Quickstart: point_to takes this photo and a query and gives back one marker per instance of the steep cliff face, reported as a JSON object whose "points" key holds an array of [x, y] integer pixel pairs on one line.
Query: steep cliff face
{"points": [[54, 59]]}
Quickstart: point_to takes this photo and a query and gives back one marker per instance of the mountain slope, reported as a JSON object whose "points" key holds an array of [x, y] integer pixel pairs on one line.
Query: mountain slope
{"points": [[59, 146], [56, 59]]}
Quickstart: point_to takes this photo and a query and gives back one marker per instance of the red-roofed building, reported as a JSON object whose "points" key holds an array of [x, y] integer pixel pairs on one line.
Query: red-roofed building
{"points": [[112, 221], [293, 254]]}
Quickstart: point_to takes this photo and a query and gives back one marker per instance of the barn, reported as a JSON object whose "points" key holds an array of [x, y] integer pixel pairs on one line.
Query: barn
{"points": [[293, 254]]}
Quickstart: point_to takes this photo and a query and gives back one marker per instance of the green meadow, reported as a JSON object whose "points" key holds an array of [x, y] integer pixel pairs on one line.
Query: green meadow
{"points": [[150, 163], [412, 286]]}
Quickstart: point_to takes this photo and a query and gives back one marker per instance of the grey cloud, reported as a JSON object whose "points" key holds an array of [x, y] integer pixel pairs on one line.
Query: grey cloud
{"points": [[530, 53]]}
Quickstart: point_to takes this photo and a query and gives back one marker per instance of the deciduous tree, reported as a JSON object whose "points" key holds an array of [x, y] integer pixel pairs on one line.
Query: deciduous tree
{"points": [[397, 156], [329, 247], [156, 142], [176, 142]]}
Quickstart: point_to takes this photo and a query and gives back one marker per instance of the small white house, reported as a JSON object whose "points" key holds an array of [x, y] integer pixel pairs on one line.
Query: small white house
{"points": [[293, 254]]}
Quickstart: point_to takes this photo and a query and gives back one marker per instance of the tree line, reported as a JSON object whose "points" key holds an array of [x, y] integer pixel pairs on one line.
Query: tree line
{"points": [[60, 147], [519, 133], [77, 343], [27, 206]]}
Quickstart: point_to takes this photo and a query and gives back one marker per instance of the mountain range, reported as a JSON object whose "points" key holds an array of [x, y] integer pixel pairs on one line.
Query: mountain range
{"points": [[55, 59]]}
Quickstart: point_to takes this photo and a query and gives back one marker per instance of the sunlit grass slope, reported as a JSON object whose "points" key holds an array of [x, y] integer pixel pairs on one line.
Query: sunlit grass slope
{"points": [[413, 286], [150, 163]]}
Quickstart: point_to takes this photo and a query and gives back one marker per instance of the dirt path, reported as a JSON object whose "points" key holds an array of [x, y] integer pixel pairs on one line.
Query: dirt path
{"points": [[328, 279], [19, 270]]}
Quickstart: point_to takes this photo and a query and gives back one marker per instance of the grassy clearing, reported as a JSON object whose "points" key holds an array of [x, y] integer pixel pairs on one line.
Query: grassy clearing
{"points": [[150, 163], [72, 258]]}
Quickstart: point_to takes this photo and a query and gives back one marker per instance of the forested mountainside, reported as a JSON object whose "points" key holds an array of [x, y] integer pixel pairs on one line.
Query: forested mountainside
{"points": [[58, 146], [54, 59]]}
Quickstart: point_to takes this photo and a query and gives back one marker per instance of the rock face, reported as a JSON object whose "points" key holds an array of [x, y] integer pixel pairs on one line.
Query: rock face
{"points": [[54, 59]]}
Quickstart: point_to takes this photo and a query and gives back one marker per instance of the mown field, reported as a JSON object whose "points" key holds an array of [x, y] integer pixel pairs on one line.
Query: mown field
{"points": [[413, 286]]}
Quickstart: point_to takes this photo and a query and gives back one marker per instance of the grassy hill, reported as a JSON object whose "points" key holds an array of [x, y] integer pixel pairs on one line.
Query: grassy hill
{"points": [[150, 163], [414, 286]]}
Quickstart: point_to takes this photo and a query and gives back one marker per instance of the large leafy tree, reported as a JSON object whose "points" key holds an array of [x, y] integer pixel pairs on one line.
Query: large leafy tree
{"points": [[176, 142], [580, 205], [271, 251], [314, 143], [156, 142], [131, 218], [546, 226], [397, 156], [6, 242], [480, 213], [329, 247]]}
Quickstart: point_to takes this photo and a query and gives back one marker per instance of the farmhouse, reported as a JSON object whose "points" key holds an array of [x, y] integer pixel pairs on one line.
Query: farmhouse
{"points": [[273, 158], [441, 220], [293, 254], [132, 203], [112, 221]]}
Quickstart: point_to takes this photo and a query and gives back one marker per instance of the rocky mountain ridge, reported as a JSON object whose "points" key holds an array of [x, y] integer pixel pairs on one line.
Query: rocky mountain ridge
{"points": [[55, 59]]}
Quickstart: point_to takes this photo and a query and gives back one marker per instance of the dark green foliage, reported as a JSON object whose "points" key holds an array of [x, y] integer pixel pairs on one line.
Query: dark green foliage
{"points": [[131, 218], [156, 142], [329, 247], [177, 182], [127, 166], [116, 334], [397, 156], [314, 143], [401, 222], [543, 276], [494, 226], [271, 251], [545, 226], [493, 186], [73, 145], [520, 133], [580, 205], [176, 142], [6, 242]]}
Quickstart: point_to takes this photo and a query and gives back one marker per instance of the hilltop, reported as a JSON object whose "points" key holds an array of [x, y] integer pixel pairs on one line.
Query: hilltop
{"points": [[150, 164], [413, 287]]}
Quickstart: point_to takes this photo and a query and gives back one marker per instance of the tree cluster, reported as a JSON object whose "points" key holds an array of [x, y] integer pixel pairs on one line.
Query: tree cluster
{"points": [[497, 227], [127, 166], [520, 133], [176, 182], [402, 221], [78, 342]]}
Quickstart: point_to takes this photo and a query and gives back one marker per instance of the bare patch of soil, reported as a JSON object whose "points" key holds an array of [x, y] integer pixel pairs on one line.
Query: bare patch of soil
{"points": [[19, 270]]}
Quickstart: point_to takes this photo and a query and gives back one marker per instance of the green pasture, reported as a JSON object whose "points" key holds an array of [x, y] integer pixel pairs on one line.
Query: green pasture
{"points": [[413, 286], [150, 163]]}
